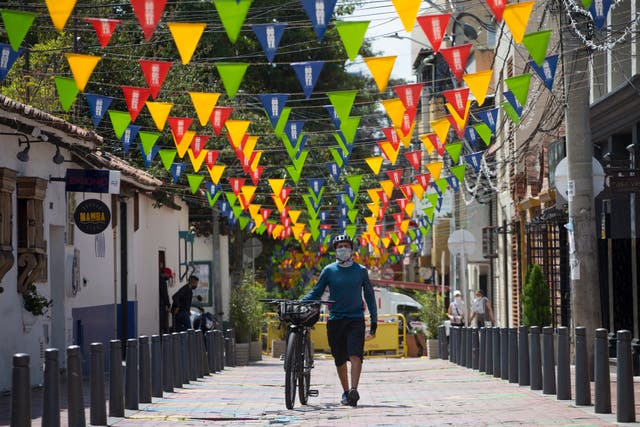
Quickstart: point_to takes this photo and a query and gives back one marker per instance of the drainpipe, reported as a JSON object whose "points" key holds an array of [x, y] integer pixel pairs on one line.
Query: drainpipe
{"points": [[124, 297], [505, 267]]}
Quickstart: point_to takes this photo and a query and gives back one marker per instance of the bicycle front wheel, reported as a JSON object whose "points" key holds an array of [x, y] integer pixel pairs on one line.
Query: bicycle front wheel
{"points": [[304, 382], [290, 368]]}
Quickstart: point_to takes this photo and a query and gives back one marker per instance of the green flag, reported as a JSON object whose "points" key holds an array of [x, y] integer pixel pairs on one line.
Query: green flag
{"points": [[536, 44], [167, 157], [212, 200], [342, 102], [194, 182], [352, 35], [442, 184], [148, 140], [519, 85], [231, 74], [484, 131], [353, 215], [232, 14], [354, 182], [231, 198], [458, 171], [17, 24], [508, 108], [433, 199], [244, 220], [282, 122], [454, 150], [349, 127], [120, 120], [67, 92], [350, 230]]}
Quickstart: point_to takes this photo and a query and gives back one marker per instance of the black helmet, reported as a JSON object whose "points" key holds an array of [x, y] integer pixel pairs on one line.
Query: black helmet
{"points": [[342, 238]]}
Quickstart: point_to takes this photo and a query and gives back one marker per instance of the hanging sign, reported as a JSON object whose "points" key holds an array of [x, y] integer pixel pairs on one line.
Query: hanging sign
{"points": [[92, 181], [92, 216]]}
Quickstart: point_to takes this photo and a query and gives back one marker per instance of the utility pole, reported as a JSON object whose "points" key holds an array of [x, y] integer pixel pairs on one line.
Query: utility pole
{"points": [[585, 287]]}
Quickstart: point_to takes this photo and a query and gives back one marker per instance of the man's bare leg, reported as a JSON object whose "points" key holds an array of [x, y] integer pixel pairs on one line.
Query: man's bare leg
{"points": [[342, 375], [356, 368]]}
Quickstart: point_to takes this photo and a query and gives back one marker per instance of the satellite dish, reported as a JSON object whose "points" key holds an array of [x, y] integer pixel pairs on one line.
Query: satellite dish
{"points": [[252, 248]]}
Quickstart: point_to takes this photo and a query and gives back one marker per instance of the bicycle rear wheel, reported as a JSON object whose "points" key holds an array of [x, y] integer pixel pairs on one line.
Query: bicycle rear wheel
{"points": [[304, 382], [290, 368]]}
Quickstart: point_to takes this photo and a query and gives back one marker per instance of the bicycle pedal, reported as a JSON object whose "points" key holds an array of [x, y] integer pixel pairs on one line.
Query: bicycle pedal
{"points": [[313, 393]]}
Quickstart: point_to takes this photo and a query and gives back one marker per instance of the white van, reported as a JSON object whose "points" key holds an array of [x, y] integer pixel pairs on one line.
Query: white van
{"points": [[390, 302]]}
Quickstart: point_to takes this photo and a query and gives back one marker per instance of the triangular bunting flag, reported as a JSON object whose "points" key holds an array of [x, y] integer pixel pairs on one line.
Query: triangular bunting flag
{"points": [[204, 103], [59, 11], [135, 98], [67, 91], [16, 24], [375, 163], [516, 16], [407, 12], [149, 156], [456, 57], [186, 36], [129, 136], [155, 72], [167, 157], [148, 140], [148, 14], [81, 67], [219, 118], [547, 71], [104, 29], [308, 73], [441, 128], [380, 68], [269, 36], [434, 27], [490, 118], [319, 13], [9, 57], [159, 113], [194, 182], [479, 84], [231, 74], [537, 43], [458, 99], [519, 86], [434, 169], [119, 121], [474, 159], [484, 131], [342, 102], [273, 104], [599, 10], [454, 149], [511, 112], [232, 14], [352, 35], [98, 106], [216, 172], [414, 157], [497, 7]]}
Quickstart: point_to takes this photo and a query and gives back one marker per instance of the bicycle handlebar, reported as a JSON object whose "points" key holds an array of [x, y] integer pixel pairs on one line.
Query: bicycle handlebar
{"points": [[278, 301]]}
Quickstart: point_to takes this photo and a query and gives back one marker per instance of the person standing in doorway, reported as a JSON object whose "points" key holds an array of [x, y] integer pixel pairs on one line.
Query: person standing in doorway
{"points": [[347, 282], [457, 310], [182, 304], [165, 304]]}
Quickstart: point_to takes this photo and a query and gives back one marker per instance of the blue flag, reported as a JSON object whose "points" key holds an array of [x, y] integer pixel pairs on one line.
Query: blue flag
{"points": [[308, 73], [225, 207], [453, 182], [324, 216], [334, 169], [98, 106], [514, 102], [212, 189], [547, 71], [599, 10], [8, 57], [319, 13], [273, 104], [474, 159], [471, 136], [176, 170], [349, 192], [333, 115], [490, 118], [316, 185], [148, 157], [293, 130], [269, 36], [128, 136]]}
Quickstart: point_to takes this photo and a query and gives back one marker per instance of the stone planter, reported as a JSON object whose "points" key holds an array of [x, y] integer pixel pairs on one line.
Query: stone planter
{"points": [[242, 354], [255, 351], [278, 348], [432, 349]]}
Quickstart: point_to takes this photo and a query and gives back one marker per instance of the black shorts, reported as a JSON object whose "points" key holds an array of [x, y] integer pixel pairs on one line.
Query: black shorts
{"points": [[346, 339]]}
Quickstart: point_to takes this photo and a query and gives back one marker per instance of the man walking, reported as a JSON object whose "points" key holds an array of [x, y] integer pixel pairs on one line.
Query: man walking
{"points": [[347, 281], [182, 304]]}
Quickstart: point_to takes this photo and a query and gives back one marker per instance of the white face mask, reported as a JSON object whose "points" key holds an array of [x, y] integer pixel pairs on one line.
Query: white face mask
{"points": [[343, 254], [458, 298]]}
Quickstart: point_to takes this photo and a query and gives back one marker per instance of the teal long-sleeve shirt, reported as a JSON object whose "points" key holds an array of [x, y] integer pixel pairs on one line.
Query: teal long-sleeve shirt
{"points": [[346, 287]]}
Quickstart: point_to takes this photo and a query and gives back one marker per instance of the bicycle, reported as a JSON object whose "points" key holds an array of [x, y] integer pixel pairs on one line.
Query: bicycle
{"points": [[298, 359]]}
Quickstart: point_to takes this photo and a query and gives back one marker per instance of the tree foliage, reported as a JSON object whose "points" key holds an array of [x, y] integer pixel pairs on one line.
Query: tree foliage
{"points": [[536, 307]]}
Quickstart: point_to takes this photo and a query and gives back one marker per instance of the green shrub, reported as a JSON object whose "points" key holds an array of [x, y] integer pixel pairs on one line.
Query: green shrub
{"points": [[536, 307], [432, 313], [246, 313]]}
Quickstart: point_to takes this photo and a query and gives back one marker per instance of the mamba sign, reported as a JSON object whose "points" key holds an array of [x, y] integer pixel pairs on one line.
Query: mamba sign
{"points": [[92, 216]]}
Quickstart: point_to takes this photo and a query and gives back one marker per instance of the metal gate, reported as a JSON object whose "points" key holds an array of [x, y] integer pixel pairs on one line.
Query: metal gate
{"points": [[547, 245]]}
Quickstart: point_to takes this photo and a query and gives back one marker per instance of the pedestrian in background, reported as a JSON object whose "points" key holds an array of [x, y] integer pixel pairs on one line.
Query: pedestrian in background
{"points": [[181, 308], [457, 310], [481, 310], [165, 304]]}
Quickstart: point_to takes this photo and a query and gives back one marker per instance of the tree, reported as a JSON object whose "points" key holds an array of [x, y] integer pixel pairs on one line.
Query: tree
{"points": [[536, 307]]}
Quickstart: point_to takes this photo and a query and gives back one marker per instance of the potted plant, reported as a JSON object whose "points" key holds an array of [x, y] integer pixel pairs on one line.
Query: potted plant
{"points": [[536, 306], [246, 316], [432, 313], [34, 305]]}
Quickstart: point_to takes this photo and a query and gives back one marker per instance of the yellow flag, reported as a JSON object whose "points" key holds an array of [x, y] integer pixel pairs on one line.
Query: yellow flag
{"points": [[81, 67], [184, 145], [417, 190], [441, 128], [375, 163], [216, 172], [407, 11], [196, 162], [159, 112], [479, 84], [276, 185], [60, 10], [248, 191], [204, 103], [390, 152], [380, 68], [277, 230], [373, 207], [406, 139], [186, 36], [279, 204], [298, 229], [371, 223], [254, 211], [294, 215], [395, 110], [250, 145], [434, 169], [404, 225], [386, 241], [387, 186], [256, 160], [409, 209], [374, 196], [428, 146], [516, 16], [237, 129], [257, 220], [400, 249], [460, 121]]}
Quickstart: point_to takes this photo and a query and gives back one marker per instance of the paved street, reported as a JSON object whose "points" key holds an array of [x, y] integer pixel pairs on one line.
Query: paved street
{"points": [[394, 392]]}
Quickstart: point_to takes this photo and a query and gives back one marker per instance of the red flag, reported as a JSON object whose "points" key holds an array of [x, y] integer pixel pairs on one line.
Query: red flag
{"points": [[398, 217], [407, 120], [381, 212], [454, 124], [378, 229], [409, 95], [198, 144], [270, 227], [402, 203], [457, 57], [458, 99], [497, 7], [423, 180], [255, 174], [434, 27], [211, 158], [383, 198], [437, 144], [154, 73], [236, 185], [284, 194], [179, 126], [284, 214], [406, 190], [392, 137], [395, 176], [219, 117], [135, 98], [148, 13], [265, 213], [413, 157], [104, 28]]}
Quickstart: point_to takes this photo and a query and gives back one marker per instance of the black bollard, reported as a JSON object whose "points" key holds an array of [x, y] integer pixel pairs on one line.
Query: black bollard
{"points": [[206, 367], [116, 383], [440, 342], [497, 354], [158, 377], [463, 346], [481, 348], [51, 401], [513, 355], [211, 351], [98, 412], [131, 384], [145, 370], [453, 343], [625, 402], [191, 355], [229, 350], [74, 387], [523, 356], [488, 351], [563, 387], [548, 362], [535, 359], [21, 391], [475, 349], [184, 355], [602, 381], [177, 360], [220, 345], [469, 357], [504, 353], [583, 386]]}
